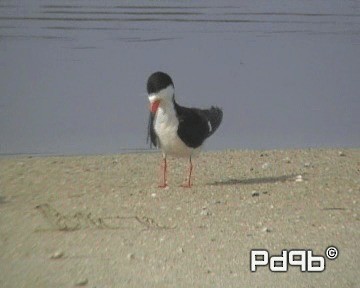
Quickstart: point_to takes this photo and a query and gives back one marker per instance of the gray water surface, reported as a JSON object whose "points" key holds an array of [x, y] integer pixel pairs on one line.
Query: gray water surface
{"points": [[73, 73]]}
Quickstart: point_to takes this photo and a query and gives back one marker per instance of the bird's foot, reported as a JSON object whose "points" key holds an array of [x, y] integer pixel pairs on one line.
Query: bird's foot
{"points": [[187, 184], [163, 185]]}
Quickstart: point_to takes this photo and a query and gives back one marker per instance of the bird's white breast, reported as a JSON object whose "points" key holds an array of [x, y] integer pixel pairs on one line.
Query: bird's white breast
{"points": [[166, 126]]}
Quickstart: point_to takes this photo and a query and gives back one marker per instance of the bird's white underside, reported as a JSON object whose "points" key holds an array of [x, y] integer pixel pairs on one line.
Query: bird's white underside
{"points": [[166, 125]]}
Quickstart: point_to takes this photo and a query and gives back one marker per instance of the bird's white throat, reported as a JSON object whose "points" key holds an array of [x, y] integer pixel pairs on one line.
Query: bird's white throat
{"points": [[166, 94]]}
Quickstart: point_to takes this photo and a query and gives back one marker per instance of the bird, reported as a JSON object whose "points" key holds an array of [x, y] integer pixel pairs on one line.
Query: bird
{"points": [[176, 130]]}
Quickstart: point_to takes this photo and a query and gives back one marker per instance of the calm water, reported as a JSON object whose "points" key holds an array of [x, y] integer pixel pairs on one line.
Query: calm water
{"points": [[73, 74]]}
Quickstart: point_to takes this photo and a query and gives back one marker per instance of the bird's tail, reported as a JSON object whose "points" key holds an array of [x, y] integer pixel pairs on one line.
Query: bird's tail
{"points": [[214, 116]]}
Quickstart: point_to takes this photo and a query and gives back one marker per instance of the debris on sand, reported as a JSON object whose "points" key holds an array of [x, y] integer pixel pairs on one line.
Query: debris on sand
{"points": [[266, 229], [287, 160], [266, 165], [57, 255], [255, 193], [341, 153], [307, 164], [82, 282], [130, 256]]}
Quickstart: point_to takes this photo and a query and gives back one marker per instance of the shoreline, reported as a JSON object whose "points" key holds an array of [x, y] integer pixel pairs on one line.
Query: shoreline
{"points": [[155, 150]]}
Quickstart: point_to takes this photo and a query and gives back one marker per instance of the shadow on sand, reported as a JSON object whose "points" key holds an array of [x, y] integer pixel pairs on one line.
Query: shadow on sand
{"points": [[260, 180], [2, 200]]}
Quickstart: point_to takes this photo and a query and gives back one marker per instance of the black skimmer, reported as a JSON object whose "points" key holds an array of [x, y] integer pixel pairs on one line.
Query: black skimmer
{"points": [[176, 130]]}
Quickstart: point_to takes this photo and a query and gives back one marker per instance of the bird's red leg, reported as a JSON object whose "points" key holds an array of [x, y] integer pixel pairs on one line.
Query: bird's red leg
{"points": [[164, 183], [187, 184]]}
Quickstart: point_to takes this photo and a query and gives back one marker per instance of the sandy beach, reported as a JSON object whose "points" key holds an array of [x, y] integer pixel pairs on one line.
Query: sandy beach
{"points": [[101, 221]]}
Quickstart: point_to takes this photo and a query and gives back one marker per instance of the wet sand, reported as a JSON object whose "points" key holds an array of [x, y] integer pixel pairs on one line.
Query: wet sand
{"points": [[101, 221]]}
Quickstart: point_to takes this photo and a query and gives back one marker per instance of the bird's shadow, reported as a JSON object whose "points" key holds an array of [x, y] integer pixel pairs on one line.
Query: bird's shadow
{"points": [[260, 180], [2, 200]]}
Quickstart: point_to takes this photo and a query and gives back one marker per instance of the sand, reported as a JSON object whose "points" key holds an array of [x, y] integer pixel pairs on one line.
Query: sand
{"points": [[101, 221]]}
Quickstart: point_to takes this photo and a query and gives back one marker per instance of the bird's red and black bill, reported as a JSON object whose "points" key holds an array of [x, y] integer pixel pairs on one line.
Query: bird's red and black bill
{"points": [[154, 106]]}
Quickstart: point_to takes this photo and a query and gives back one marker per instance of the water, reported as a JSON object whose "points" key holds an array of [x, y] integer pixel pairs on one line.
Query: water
{"points": [[73, 73]]}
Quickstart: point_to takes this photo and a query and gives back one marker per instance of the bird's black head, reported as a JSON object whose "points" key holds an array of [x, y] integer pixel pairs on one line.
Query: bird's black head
{"points": [[158, 81]]}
